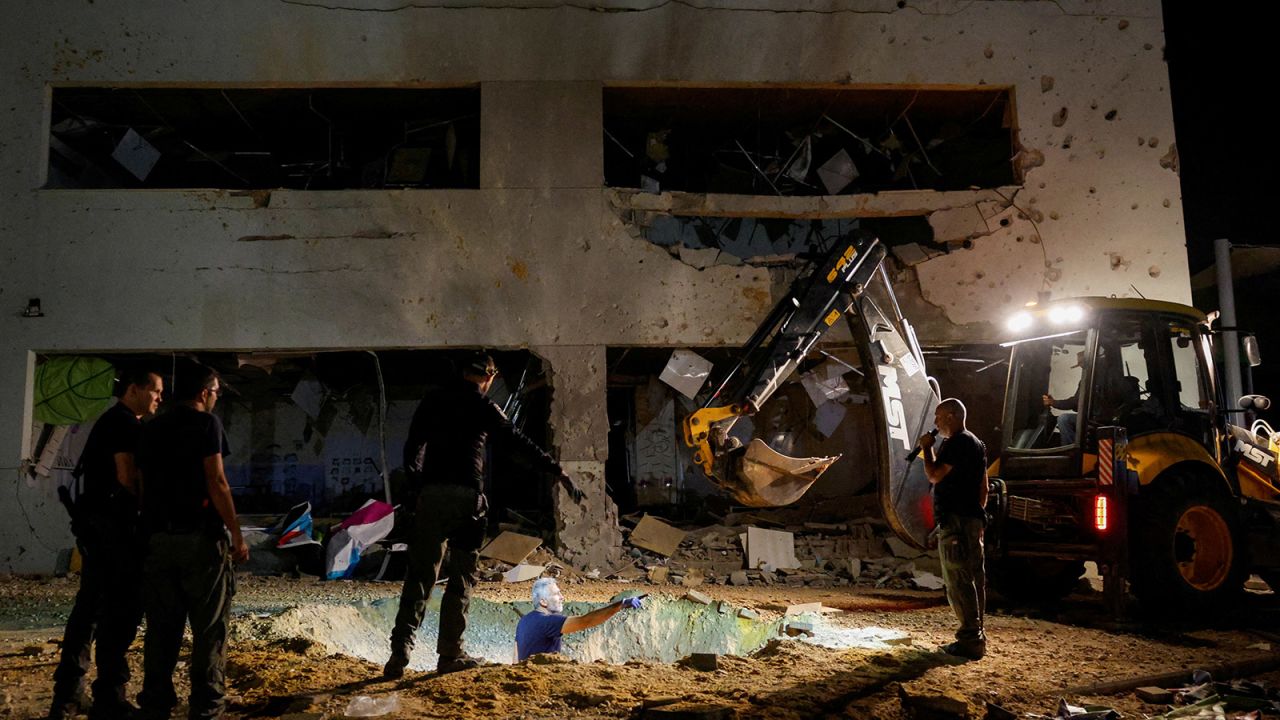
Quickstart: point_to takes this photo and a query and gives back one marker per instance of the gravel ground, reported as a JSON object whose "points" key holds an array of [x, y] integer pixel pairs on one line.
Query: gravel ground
{"points": [[1032, 660]]}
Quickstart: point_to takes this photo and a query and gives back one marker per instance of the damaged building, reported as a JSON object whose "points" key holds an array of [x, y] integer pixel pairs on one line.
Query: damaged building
{"points": [[593, 190], [330, 203]]}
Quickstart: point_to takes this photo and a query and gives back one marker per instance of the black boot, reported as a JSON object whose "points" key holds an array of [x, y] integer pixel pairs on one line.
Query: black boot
{"points": [[399, 660], [457, 664]]}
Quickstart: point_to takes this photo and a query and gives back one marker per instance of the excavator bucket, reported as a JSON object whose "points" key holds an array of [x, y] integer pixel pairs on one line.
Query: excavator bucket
{"points": [[767, 478]]}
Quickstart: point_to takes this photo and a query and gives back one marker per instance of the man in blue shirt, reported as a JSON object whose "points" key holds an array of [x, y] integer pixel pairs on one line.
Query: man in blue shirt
{"points": [[542, 630]]}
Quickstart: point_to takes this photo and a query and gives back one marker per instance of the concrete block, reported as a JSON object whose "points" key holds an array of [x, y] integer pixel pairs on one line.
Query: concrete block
{"points": [[1154, 695], [692, 578], [797, 628], [697, 597], [738, 577], [748, 614], [658, 574], [813, 607], [902, 549]]}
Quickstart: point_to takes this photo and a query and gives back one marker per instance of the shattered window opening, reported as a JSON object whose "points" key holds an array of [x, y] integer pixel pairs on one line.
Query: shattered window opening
{"points": [[307, 426], [808, 141], [704, 241], [259, 138]]}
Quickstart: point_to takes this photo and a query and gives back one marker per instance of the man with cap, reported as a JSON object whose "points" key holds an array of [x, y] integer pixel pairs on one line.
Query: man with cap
{"points": [[108, 606], [444, 455], [194, 535]]}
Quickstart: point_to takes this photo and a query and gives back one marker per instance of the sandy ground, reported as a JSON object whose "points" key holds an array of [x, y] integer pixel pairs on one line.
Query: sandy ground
{"points": [[1031, 661]]}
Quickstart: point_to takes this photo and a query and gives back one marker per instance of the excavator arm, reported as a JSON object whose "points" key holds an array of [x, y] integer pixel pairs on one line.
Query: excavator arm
{"points": [[848, 282]]}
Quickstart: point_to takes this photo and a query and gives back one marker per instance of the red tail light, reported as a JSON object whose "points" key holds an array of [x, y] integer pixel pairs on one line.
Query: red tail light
{"points": [[1100, 512]]}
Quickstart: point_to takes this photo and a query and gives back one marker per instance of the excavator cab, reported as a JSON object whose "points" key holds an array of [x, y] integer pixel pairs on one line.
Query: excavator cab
{"points": [[847, 282], [1118, 449]]}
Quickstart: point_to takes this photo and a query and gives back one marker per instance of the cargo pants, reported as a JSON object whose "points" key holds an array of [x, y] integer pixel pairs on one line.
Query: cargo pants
{"points": [[452, 517], [187, 577], [106, 614], [961, 551]]}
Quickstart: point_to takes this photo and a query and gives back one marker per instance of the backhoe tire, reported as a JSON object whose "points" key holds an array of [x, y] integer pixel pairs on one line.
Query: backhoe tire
{"points": [[1187, 549], [1035, 581]]}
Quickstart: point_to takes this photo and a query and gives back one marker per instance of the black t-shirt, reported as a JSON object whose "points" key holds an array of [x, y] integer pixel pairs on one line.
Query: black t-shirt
{"points": [[171, 454], [116, 431], [447, 437], [960, 492]]}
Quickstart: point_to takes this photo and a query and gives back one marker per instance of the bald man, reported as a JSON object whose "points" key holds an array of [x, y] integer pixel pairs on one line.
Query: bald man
{"points": [[958, 474]]}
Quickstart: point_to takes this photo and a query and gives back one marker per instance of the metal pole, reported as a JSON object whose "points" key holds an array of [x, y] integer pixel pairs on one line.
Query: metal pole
{"points": [[1227, 308]]}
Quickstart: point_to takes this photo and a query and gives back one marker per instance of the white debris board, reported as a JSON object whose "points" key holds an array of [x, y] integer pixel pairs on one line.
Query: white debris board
{"points": [[522, 573], [775, 547], [686, 371]]}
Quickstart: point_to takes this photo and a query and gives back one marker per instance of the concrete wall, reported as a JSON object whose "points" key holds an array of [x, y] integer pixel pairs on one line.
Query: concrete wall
{"points": [[538, 256]]}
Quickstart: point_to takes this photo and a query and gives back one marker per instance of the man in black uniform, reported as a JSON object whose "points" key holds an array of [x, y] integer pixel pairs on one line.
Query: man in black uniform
{"points": [[105, 523], [187, 510], [959, 476], [444, 455]]}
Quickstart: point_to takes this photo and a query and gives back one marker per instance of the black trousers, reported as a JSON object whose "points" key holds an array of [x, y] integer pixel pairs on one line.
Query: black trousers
{"points": [[108, 608], [452, 517], [187, 578]]}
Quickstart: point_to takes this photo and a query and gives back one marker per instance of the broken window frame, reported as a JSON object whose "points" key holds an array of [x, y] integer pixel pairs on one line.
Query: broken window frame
{"points": [[225, 137], [640, 123]]}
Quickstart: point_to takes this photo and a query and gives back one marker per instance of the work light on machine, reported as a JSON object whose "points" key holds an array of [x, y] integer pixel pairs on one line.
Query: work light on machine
{"points": [[1019, 321], [1066, 314]]}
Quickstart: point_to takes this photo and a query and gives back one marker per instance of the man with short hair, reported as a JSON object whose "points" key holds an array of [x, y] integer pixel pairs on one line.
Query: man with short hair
{"points": [[105, 523], [541, 630], [444, 455], [188, 512], [958, 473]]}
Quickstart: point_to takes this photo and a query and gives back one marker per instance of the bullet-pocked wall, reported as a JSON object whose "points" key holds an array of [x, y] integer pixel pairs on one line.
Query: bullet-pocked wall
{"points": [[537, 252]]}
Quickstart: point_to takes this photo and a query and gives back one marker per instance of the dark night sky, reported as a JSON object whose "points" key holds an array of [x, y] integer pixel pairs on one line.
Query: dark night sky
{"points": [[1219, 67]]}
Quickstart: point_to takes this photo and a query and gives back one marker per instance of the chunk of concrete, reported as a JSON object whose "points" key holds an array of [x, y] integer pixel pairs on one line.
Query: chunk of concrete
{"points": [[692, 578], [738, 577], [748, 614], [926, 580], [522, 573], [813, 607], [902, 549], [656, 536], [697, 597], [1154, 695], [797, 628], [658, 574], [510, 547]]}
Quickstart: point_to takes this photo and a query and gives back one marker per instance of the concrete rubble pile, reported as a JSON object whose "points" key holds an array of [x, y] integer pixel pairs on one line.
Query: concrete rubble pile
{"points": [[861, 552]]}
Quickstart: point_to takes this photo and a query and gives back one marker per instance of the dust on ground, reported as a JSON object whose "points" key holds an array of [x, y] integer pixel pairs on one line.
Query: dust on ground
{"points": [[1031, 661]]}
